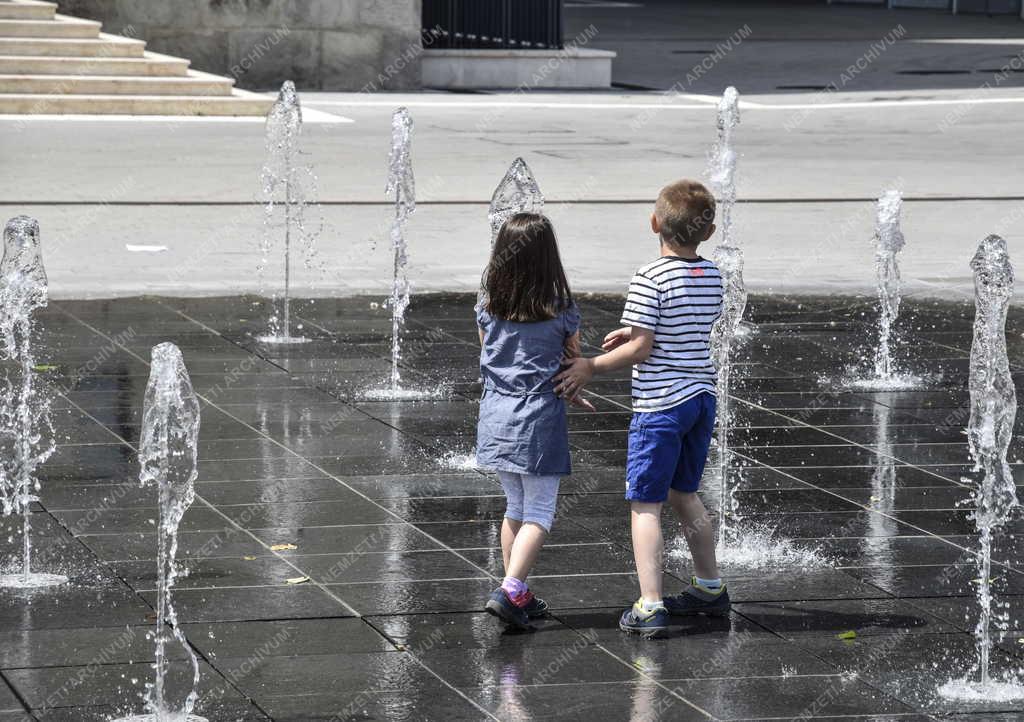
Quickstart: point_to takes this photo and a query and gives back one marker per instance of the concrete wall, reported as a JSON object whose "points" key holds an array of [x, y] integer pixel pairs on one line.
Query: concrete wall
{"points": [[320, 44]]}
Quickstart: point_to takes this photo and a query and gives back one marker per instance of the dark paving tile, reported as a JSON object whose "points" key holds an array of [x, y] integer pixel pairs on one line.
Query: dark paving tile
{"points": [[429, 699], [9, 703], [134, 546], [70, 607], [307, 674], [118, 521], [460, 595], [78, 647], [116, 685], [301, 601], [285, 638], [626, 700], [787, 697], [352, 510], [387, 566], [827, 618], [351, 539], [469, 630], [209, 573]]}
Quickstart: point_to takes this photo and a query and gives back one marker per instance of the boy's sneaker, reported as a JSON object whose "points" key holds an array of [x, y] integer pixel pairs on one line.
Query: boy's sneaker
{"points": [[649, 625], [696, 599], [536, 607], [502, 607]]}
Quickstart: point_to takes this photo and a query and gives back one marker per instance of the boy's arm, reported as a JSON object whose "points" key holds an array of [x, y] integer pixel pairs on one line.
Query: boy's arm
{"points": [[579, 371], [571, 352]]}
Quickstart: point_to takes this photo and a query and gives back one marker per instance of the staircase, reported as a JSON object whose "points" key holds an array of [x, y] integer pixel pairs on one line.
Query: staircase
{"points": [[56, 64]]}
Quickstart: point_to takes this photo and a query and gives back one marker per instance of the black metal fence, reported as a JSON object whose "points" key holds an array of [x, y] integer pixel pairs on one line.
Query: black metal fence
{"points": [[481, 24]]}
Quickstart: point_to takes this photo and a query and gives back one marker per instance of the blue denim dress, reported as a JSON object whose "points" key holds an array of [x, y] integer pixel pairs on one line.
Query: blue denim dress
{"points": [[522, 426]]}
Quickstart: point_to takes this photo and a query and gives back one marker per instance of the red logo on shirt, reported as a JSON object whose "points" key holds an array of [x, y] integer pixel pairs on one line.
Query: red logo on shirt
{"points": [[697, 272]]}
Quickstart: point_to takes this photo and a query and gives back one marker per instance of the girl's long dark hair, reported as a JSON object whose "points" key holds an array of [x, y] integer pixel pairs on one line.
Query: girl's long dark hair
{"points": [[524, 280]]}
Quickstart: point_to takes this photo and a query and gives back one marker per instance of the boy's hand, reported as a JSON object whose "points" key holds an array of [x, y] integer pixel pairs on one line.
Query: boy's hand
{"points": [[617, 337], [574, 377], [581, 403]]}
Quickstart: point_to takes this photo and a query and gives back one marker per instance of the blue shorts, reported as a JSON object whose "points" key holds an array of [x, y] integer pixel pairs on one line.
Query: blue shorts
{"points": [[668, 449]]}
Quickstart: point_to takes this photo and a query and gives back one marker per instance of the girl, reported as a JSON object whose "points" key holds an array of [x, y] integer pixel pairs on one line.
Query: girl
{"points": [[528, 324]]}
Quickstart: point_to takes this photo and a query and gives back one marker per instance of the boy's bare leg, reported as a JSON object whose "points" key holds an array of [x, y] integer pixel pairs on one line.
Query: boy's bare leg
{"points": [[697, 531], [648, 547], [527, 545], [509, 529]]}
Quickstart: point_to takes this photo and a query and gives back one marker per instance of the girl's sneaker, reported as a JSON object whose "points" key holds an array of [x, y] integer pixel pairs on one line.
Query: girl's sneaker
{"points": [[696, 599], [536, 607], [502, 607], [649, 625]]}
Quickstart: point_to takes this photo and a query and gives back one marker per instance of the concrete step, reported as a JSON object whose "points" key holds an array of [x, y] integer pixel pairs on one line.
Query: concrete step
{"points": [[239, 103], [62, 26], [194, 83], [105, 46], [150, 65], [26, 10]]}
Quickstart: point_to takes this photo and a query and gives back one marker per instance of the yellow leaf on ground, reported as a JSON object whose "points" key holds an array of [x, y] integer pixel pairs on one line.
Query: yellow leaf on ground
{"points": [[296, 580], [249, 559], [847, 635], [282, 547]]}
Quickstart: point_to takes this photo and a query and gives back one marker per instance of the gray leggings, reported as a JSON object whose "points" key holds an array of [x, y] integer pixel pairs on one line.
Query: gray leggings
{"points": [[530, 497]]}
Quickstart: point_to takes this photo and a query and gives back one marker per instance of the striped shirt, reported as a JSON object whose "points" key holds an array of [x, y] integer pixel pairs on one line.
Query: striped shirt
{"points": [[679, 300]]}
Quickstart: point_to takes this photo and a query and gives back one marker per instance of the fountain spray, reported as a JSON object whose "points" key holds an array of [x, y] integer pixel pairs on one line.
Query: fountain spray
{"points": [[402, 187], [729, 259], [26, 430], [168, 457], [890, 241], [989, 432], [518, 192], [287, 181], [723, 162]]}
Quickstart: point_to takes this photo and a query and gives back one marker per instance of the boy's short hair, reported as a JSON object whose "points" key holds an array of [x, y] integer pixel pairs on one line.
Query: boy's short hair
{"points": [[684, 210]]}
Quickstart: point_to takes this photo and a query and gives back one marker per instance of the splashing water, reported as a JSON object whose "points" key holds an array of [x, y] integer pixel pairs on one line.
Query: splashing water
{"points": [[458, 461], [758, 548], [890, 241], [989, 432], [26, 430], [722, 170], [168, 456], [286, 182], [518, 192], [402, 187], [729, 260]]}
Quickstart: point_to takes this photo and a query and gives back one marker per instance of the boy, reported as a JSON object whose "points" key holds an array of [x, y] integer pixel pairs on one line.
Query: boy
{"points": [[670, 309]]}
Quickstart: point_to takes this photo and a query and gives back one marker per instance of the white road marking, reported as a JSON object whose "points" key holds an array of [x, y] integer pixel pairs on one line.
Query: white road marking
{"points": [[503, 104], [709, 100], [144, 249]]}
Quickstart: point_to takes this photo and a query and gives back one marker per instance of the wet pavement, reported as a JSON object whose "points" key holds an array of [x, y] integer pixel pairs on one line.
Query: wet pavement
{"points": [[399, 539]]}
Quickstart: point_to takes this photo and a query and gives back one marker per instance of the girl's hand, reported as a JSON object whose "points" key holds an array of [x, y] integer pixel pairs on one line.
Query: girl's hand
{"points": [[581, 403], [617, 337]]}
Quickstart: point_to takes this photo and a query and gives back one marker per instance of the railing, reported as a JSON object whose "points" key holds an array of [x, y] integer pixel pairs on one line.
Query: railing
{"points": [[482, 24]]}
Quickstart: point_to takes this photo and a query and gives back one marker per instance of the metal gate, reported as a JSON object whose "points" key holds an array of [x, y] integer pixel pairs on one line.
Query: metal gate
{"points": [[482, 24]]}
